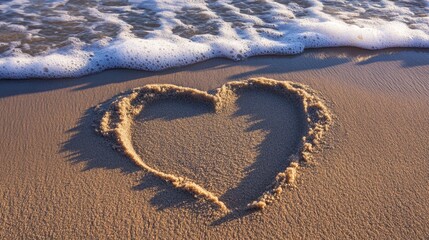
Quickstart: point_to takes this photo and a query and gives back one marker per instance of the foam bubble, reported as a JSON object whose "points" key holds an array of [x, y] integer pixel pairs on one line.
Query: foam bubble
{"points": [[75, 39]]}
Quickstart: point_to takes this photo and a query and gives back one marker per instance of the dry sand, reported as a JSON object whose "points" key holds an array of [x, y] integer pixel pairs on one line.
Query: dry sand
{"points": [[59, 179]]}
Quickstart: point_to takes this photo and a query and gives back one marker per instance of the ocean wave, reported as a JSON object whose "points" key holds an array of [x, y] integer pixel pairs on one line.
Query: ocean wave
{"points": [[69, 38]]}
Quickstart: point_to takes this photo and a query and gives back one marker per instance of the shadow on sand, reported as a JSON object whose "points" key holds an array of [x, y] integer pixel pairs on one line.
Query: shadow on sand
{"points": [[87, 147], [281, 118]]}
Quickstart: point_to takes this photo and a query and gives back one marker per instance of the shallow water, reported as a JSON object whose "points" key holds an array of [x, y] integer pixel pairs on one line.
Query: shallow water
{"points": [[68, 38]]}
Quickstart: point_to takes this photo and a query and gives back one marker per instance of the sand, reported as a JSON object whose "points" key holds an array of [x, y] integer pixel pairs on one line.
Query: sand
{"points": [[370, 179], [118, 124]]}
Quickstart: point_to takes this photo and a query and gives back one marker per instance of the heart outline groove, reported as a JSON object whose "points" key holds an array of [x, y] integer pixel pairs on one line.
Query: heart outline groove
{"points": [[117, 119]]}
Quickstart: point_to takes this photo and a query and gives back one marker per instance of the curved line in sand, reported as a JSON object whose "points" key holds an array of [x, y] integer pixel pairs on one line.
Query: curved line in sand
{"points": [[117, 120]]}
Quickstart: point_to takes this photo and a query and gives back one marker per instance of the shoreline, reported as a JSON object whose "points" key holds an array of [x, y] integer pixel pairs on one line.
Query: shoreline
{"points": [[331, 52], [370, 181], [409, 57]]}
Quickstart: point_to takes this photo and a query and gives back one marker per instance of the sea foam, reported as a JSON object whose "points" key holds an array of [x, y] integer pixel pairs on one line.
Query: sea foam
{"points": [[71, 38]]}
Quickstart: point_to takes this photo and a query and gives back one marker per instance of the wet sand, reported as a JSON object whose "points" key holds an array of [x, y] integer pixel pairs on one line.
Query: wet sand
{"points": [[59, 179]]}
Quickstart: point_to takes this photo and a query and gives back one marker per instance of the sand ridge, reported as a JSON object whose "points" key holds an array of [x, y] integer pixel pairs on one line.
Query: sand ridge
{"points": [[117, 120]]}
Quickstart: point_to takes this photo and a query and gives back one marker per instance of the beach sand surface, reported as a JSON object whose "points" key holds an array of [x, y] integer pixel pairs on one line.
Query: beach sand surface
{"points": [[60, 179]]}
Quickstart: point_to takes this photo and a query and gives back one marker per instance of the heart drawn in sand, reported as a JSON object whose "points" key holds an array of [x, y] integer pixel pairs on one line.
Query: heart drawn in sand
{"points": [[117, 120]]}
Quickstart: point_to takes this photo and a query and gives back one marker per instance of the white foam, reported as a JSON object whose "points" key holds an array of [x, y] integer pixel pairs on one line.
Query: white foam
{"points": [[281, 29]]}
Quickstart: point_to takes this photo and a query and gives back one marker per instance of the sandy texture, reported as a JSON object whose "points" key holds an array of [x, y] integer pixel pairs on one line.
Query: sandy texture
{"points": [[59, 179]]}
